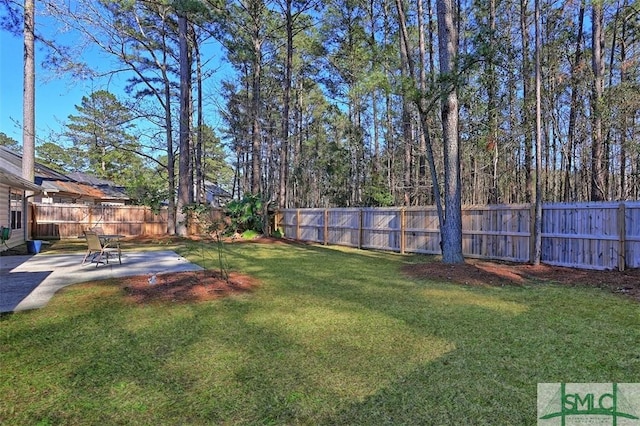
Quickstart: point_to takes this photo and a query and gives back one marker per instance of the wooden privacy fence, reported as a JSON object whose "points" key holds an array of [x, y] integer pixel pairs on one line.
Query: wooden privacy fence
{"points": [[584, 235], [70, 220]]}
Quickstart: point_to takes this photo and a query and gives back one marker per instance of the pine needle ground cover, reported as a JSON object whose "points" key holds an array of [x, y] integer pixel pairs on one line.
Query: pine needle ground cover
{"points": [[330, 336]]}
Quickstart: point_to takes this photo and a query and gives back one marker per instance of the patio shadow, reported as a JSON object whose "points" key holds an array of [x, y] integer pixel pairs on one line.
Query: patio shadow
{"points": [[16, 286]]}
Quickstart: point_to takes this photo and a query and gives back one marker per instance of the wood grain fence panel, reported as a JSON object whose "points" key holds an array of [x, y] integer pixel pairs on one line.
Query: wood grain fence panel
{"points": [[71, 220], [632, 235], [422, 230], [582, 235], [311, 226], [496, 232], [344, 227], [288, 222], [381, 228]]}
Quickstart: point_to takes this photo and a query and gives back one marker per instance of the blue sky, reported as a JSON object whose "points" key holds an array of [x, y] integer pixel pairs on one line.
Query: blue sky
{"points": [[57, 96], [55, 99]]}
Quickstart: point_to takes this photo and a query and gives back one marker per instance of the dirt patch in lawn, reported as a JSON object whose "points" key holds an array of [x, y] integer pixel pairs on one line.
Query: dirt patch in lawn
{"points": [[194, 286], [483, 273]]}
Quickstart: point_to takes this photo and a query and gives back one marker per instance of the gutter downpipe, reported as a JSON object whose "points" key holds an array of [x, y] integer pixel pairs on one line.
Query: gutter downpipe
{"points": [[25, 209]]}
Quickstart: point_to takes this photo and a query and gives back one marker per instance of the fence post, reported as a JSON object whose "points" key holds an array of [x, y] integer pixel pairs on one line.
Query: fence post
{"points": [[32, 225], [326, 226], [297, 224], [532, 231], [622, 233], [403, 236], [360, 230], [275, 220]]}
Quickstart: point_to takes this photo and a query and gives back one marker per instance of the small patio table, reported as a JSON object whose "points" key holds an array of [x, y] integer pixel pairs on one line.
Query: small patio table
{"points": [[107, 239], [110, 240]]}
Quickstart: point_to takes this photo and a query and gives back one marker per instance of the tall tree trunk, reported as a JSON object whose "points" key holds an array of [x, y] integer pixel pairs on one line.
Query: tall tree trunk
{"points": [[537, 237], [296, 153], [513, 173], [492, 104], [598, 170], [199, 165], [624, 76], [608, 184], [408, 154], [422, 149], [256, 137], [573, 111], [165, 99], [360, 171], [28, 103], [526, 113], [448, 51], [432, 32], [184, 164], [406, 115], [375, 165], [29, 95], [423, 110], [284, 148], [171, 160], [391, 175]]}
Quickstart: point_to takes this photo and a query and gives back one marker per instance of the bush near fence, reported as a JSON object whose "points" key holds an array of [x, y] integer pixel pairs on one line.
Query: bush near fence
{"points": [[580, 235]]}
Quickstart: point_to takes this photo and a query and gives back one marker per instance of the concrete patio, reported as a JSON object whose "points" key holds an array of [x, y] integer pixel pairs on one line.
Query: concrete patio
{"points": [[29, 282]]}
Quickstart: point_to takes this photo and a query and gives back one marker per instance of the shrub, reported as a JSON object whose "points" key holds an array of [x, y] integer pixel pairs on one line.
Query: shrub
{"points": [[246, 214]]}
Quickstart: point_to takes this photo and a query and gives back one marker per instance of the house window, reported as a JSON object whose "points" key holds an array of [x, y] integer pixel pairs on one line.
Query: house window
{"points": [[16, 202]]}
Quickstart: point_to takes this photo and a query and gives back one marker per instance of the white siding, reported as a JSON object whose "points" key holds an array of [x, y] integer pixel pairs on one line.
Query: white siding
{"points": [[4, 205], [17, 235]]}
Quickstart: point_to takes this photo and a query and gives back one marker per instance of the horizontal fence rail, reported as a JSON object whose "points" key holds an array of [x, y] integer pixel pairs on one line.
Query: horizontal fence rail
{"points": [[52, 221], [580, 235]]}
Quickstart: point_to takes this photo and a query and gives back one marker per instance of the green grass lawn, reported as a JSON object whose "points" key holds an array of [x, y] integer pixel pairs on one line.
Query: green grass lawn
{"points": [[332, 336]]}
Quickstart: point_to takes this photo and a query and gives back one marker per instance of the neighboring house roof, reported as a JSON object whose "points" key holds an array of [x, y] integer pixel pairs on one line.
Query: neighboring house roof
{"points": [[88, 186], [215, 190], [82, 185], [72, 188], [15, 181], [13, 163], [78, 190], [89, 180]]}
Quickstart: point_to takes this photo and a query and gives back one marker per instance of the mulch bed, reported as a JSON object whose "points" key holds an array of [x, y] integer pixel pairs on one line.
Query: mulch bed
{"points": [[195, 286], [483, 273]]}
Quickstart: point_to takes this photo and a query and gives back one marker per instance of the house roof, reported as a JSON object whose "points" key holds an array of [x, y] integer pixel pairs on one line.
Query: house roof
{"points": [[89, 180], [87, 186], [79, 190], [76, 185], [15, 181], [72, 188], [13, 163], [216, 190]]}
